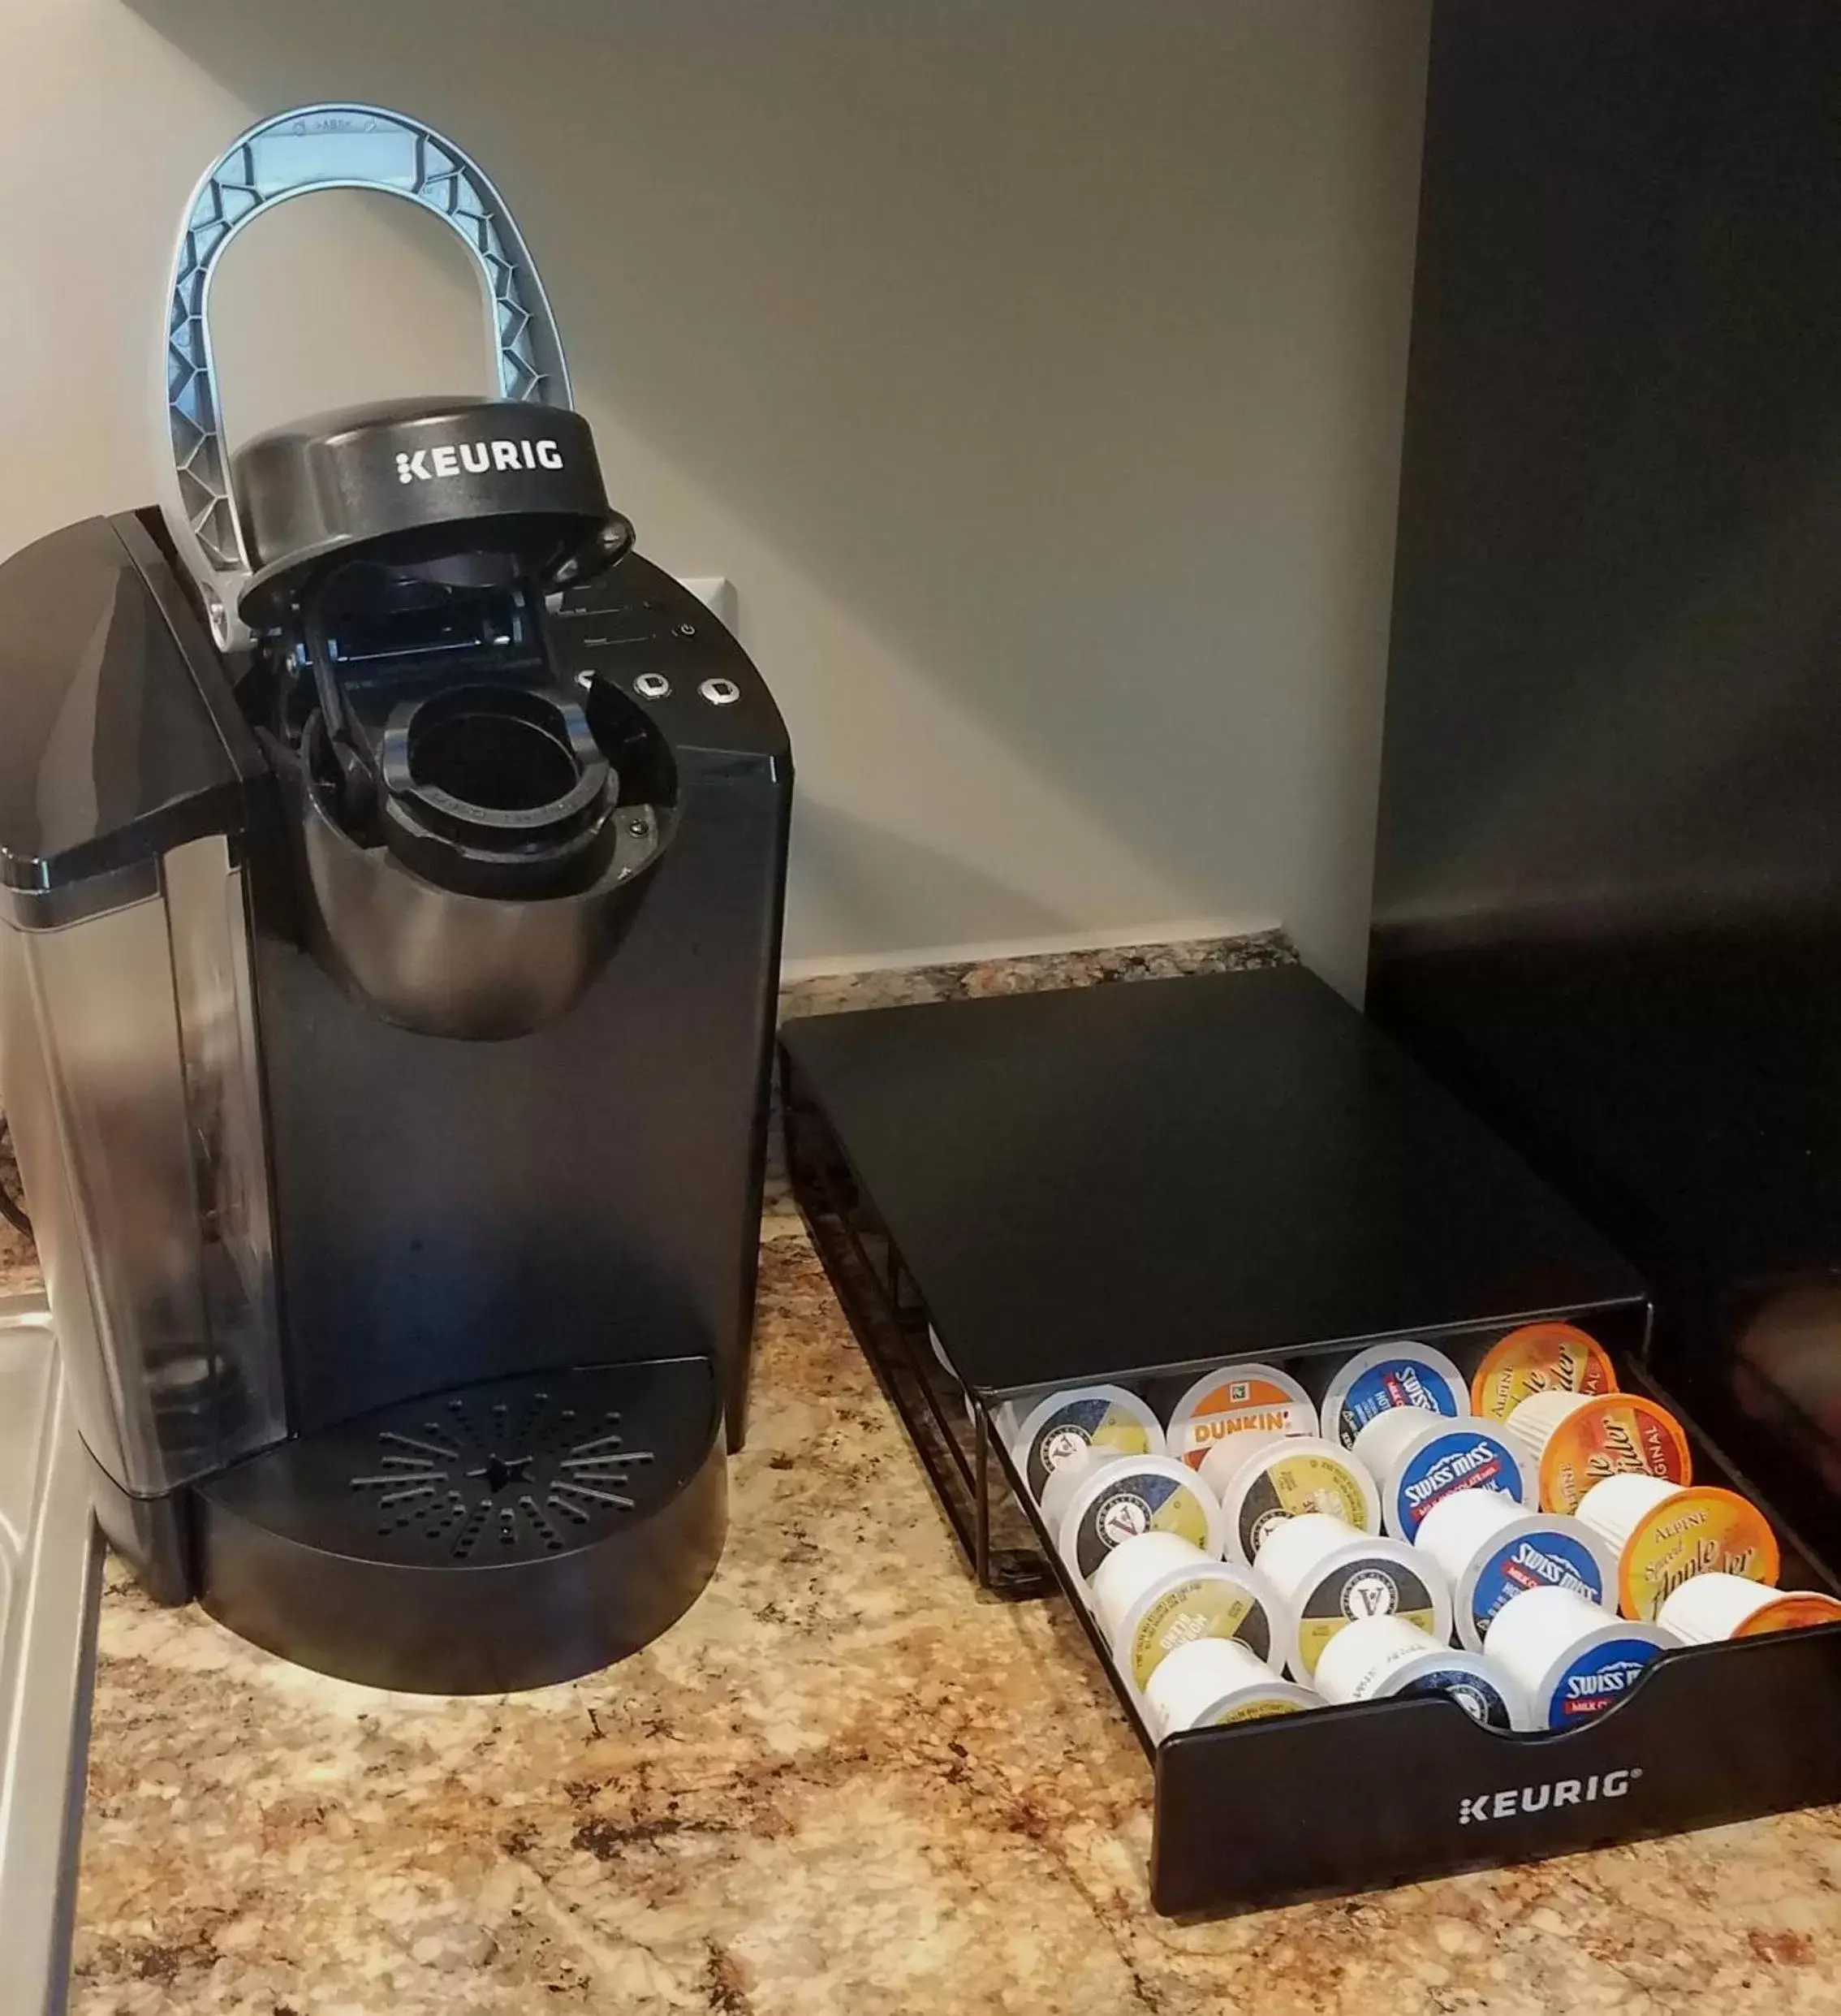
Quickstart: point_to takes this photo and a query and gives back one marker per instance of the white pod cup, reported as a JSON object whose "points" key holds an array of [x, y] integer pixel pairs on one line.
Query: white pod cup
{"points": [[1131, 1495], [1378, 1657], [1664, 1532], [1061, 1424], [1570, 1660], [1134, 1566], [1386, 1377], [1327, 1574], [1619, 1504], [1492, 1551], [1224, 1462], [1264, 1479], [1236, 1400], [1058, 1492], [1205, 1599], [1530, 1424], [1216, 1680], [1706, 1609], [1418, 1459]]}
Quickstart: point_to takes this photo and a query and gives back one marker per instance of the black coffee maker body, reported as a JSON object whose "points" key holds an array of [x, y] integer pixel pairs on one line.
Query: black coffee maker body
{"points": [[391, 866]]}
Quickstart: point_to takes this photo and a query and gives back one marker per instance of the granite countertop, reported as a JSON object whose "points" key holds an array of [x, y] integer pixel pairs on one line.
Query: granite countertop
{"points": [[845, 1781]]}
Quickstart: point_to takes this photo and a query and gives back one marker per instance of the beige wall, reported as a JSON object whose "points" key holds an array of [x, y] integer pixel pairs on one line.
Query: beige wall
{"points": [[1033, 367]]}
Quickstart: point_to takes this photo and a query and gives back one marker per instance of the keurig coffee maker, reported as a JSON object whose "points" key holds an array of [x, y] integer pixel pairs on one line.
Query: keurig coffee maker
{"points": [[390, 870]]}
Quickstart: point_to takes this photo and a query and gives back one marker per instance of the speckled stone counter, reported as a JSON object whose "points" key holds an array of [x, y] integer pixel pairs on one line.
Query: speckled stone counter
{"points": [[843, 1783]]}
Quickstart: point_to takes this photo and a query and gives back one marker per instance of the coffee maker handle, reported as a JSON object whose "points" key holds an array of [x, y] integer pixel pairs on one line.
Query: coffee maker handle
{"points": [[295, 153]]}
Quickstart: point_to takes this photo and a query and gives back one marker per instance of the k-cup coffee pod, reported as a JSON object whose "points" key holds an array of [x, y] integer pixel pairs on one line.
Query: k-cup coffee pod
{"points": [[1570, 1659], [1262, 1479], [1216, 1680], [1061, 1425], [1571, 1441], [1664, 1533], [1057, 1493], [1326, 1575], [1225, 1461], [1540, 1358], [1131, 1495], [1378, 1657], [1419, 1459], [1133, 1566], [1706, 1609], [1492, 1550], [1237, 1400], [1388, 1375], [1202, 1600]]}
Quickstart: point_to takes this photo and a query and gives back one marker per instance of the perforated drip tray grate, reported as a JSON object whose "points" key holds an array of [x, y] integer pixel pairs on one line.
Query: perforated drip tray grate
{"points": [[519, 1468], [523, 1467], [434, 1543]]}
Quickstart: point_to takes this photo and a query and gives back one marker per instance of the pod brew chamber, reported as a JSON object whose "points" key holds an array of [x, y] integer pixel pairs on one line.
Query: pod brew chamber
{"points": [[390, 874]]}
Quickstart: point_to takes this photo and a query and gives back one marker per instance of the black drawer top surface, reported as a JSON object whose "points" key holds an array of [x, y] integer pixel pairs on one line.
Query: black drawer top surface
{"points": [[1157, 1174]]}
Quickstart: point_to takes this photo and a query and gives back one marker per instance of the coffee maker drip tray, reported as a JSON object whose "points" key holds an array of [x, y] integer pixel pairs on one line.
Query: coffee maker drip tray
{"points": [[494, 1536]]}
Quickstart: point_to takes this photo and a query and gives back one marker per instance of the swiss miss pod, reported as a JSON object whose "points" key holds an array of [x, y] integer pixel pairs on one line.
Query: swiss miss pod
{"points": [[1390, 1791]]}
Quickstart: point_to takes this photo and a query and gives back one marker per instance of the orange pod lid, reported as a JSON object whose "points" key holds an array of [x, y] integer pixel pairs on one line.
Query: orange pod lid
{"points": [[1540, 1358], [1613, 1434], [1700, 1530], [1796, 1611]]}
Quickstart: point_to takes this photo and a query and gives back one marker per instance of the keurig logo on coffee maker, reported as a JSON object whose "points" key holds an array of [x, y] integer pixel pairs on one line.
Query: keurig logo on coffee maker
{"points": [[386, 976], [474, 458]]}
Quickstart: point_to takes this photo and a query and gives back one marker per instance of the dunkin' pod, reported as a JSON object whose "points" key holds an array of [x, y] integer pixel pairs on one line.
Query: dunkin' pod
{"points": [[1327, 1574], [1237, 1400], [1419, 1460], [1706, 1609], [1570, 1660], [1386, 1375], [1378, 1657], [1571, 1441], [1157, 1591], [1263, 1479], [1662, 1534], [1068, 1423], [1217, 1681], [1540, 1358], [1116, 1500], [1492, 1549]]}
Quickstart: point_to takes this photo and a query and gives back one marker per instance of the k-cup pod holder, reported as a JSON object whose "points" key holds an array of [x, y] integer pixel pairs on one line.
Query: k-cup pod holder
{"points": [[1699, 1734]]}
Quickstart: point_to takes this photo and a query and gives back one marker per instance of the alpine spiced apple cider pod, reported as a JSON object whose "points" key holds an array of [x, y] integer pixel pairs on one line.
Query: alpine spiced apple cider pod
{"points": [[1571, 1441], [1662, 1534], [1706, 1609], [1540, 1358]]}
